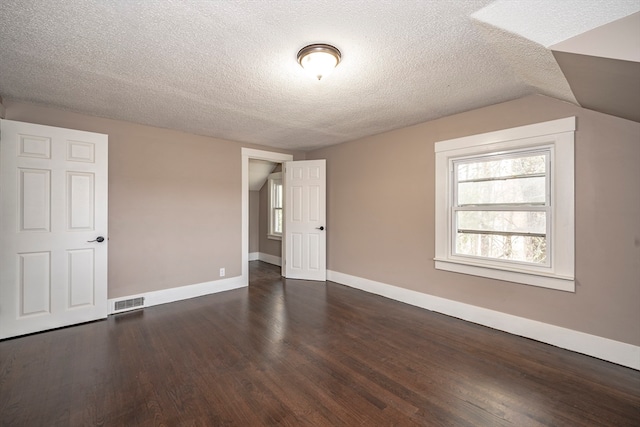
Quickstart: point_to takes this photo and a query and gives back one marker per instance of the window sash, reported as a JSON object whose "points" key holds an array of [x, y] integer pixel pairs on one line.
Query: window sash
{"points": [[500, 233], [276, 226], [275, 199], [503, 178], [522, 206]]}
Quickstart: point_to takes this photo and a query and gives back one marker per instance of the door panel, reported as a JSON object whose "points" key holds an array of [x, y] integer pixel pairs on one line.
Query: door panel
{"points": [[81, 274], [35, 199], [34, 283], [305, 215], [34, 146], [53, 188], [80, 198]]}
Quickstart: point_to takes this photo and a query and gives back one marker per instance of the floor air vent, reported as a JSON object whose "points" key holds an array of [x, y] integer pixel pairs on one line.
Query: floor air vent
{"points": [[129, 304]]}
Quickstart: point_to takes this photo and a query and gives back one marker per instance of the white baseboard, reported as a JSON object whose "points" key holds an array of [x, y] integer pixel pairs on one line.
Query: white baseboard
{"points": [[271, 259], [580, 342], [254, 256], [181, 293]]}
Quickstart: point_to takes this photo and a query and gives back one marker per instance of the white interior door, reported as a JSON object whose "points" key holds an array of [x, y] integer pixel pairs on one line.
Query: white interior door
{"points": [[53, 188], [305, 243]]}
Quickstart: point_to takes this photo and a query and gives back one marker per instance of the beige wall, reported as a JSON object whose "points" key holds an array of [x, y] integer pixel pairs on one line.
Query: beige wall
{"points": [[174, 201], [175, 211], [380, 209], [254, 221]]}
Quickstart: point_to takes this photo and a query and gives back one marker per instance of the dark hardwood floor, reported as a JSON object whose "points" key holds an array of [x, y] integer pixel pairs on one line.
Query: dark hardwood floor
{"points": [[287, 352]]}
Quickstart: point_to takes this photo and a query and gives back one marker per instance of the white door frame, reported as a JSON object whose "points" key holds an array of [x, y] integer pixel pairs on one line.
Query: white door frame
{"points": [[250, 153]]}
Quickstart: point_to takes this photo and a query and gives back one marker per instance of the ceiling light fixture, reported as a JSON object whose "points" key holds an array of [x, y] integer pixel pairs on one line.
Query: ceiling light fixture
{"points": [[319, 60]]}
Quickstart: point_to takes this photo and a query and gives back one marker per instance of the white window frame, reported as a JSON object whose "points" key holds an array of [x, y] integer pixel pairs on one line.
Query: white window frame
{"points": [[556, 136], [273, 179]]}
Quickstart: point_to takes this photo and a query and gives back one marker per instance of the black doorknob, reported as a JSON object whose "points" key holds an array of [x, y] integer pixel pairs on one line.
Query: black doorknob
{"points": [[98, 239], [320, 228]]}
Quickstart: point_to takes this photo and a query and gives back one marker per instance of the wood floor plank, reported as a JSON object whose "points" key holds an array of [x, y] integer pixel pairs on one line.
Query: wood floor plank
{"points": [[296, 353]]}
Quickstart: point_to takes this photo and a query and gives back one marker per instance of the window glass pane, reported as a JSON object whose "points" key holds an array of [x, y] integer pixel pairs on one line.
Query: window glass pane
{"points": [[514, 179], [503, 167], [277, 194], [530, 190], [502, 221], [277, 226], [275, 206], [505, 247]]}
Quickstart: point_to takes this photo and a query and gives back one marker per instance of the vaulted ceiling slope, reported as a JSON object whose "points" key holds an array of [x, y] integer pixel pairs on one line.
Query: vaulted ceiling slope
{"points": [[228, 68]]}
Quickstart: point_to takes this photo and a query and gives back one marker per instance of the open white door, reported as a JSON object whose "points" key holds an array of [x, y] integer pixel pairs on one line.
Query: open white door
{"points": [[53, 227], [305, 220]]}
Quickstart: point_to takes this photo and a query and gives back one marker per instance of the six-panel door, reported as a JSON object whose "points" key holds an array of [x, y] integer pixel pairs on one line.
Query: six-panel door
{"points": [[53, 187], [305, 220]]}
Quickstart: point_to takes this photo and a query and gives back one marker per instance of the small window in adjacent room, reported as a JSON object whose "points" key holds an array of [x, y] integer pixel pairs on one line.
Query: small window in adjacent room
{"points": [[274, 191], [504, 205]]}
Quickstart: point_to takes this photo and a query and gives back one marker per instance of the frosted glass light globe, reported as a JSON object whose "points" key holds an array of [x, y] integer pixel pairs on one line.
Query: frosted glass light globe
{"points": [[319, 60]]}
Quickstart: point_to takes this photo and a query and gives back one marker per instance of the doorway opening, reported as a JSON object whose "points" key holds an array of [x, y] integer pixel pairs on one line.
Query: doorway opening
{"points": [[249, 154]]}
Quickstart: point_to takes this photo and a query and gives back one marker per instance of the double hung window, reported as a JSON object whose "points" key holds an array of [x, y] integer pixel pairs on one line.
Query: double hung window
{"points": [[275, 205], [504, 205], [502, 208]]}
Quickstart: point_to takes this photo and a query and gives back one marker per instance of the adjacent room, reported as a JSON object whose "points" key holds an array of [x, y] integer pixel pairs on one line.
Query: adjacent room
{"points": [[311, 213]]}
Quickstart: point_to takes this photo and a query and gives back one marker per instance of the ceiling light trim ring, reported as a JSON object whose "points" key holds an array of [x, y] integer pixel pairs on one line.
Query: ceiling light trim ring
{"points": [[319, 47], [319, 59]]}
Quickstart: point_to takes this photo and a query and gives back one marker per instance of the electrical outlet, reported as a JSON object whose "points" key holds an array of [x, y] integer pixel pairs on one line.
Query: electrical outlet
{"points": [[222, 272]]}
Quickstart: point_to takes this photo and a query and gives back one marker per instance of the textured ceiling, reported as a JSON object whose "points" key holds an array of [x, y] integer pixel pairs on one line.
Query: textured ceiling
{"points": [[228, 69]]}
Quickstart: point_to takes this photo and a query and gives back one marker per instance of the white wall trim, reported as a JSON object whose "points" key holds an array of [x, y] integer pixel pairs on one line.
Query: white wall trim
{"points": [[568, 124], [592, 345], [271, 259], [268, 258], [165, 296]]}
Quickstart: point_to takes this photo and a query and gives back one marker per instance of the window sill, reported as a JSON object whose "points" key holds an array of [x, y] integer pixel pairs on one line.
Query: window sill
{"points": [[549, 281], [274, 237]]}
